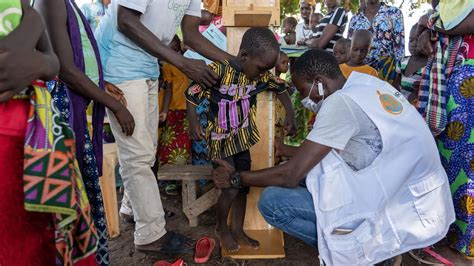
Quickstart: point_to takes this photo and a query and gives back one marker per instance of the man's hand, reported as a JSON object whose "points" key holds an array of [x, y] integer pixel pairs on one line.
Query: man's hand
{"points": [[424, 44], [199, 72], [125, 119], [221, 175], [115, 92]]}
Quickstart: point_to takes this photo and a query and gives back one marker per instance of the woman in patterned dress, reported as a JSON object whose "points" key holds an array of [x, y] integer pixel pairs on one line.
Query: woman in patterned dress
{"points": [[452, 121], [80, 81]]}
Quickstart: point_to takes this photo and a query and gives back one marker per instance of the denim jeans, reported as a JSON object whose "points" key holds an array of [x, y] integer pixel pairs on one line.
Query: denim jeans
{"points": [[290, 210]]}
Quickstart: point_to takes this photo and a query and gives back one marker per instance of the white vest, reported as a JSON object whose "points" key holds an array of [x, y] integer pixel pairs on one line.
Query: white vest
{"points": [[400, 202]]}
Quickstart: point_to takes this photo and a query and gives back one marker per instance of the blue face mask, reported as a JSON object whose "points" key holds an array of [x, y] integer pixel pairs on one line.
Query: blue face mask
{"points": [[310, 104]]}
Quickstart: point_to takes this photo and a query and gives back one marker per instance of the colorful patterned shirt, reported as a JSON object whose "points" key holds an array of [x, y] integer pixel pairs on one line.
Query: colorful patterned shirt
{"points": [[388, 33], [233, 104], [408, 84]]}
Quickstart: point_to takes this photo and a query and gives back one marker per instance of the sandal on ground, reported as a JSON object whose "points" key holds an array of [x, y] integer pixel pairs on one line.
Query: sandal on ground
{"points": [[175, 243], [179, 262], [171, 190], [204, 248]]}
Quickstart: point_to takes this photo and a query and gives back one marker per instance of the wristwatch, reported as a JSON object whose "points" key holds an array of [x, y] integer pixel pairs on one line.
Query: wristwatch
{"points": [[235, 180]]}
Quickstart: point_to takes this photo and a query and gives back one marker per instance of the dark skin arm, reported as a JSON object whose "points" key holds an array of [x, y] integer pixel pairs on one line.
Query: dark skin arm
{"points": [[290, 174], [195, 130], [321, 42], [281, 149], [24, 60], [194, 39], [130, 25], [56, 17], [290, 121], [166, 101]]}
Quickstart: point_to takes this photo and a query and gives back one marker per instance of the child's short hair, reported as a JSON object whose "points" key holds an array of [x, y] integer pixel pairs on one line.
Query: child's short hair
{"points": [[291, 21], [259, 40], [344, 42], [362, 35], [317, 15]]}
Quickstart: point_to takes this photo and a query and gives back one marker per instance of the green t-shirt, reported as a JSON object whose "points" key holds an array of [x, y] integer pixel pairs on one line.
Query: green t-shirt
{"points": [[10, 16]]}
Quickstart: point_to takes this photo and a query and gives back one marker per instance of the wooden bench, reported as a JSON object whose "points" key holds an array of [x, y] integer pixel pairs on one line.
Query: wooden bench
{"points": [[190, 174]]}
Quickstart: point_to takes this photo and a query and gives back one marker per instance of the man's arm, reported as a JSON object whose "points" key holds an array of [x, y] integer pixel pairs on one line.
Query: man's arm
{"points": [[55, 15], [194, 39], [321, 42], [289, 174], [130, 25]]}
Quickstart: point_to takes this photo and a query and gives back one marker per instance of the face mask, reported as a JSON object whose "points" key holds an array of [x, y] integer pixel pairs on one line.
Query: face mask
{"points": [[310, 104]]}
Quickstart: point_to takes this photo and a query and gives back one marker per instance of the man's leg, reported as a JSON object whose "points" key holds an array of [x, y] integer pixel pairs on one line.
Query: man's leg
{"points": [[136, 156], [291, 210]]}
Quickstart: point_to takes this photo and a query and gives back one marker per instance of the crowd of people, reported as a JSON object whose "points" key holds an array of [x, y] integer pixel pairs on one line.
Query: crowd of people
{"points": [[376, 147]]}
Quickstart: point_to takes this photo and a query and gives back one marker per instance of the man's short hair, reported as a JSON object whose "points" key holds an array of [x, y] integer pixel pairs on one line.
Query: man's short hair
{"points": [[316, 62], [259, 40]]}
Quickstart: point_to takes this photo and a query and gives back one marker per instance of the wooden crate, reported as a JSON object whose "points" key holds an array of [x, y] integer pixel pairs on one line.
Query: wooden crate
{"points": [[251, 13]]}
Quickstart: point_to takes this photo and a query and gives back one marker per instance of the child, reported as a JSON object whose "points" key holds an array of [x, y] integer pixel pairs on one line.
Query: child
{"points": [[314, 21], [342, 50], [174, 144], [281, 68], [360, 47], [288, 29], [231, 127], [410, 69]]}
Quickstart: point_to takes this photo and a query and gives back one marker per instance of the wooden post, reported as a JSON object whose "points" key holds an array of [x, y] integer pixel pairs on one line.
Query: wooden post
{"points": [[271, 239], [109, 193]]}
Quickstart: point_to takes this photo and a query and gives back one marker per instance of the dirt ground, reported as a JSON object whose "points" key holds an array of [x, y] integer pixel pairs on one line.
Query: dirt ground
{"points": [[122, 251]]}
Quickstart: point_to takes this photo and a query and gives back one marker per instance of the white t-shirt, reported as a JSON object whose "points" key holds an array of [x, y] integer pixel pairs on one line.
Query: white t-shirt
{"points": [[303, 32], [341, 124], [122, 59]]}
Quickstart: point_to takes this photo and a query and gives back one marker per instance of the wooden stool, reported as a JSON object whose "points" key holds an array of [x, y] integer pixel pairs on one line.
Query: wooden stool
{"points": [[189, 174], [109, 193]]}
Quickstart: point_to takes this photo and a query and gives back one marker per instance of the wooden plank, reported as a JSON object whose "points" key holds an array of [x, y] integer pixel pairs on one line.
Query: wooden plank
{"points": [[271, 246], [189, 196], [265, 13], [109, 193], [203, 203], [185, 172]]}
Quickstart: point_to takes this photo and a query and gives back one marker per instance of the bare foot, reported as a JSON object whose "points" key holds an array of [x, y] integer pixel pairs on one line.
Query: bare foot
{"points": [[244, 239], [227, 240]]}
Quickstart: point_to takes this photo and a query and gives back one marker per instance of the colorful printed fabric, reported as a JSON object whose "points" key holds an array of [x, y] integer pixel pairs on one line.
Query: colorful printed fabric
{"points": [[408, 84], [199, 149], [89, 170], [456, 146], [52, 179], [233, 105], [432, 95], [387, 67], [388, 34], [175, 145], [301, 116]]}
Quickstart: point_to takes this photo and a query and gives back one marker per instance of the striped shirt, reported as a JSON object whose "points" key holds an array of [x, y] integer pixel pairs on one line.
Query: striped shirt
{"points": [[232, 124], [338, 18]]}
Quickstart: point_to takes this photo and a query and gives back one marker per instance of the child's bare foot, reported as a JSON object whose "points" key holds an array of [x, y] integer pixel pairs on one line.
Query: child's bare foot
{"points": [[227, 240], [244, 239]]}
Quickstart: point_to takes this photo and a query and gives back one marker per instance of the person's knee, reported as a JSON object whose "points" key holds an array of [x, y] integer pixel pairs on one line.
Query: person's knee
{"points": [[267, 201]]}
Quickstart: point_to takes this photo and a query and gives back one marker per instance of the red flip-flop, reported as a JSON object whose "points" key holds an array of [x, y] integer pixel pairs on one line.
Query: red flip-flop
{"points": [[179, 262], [204, 248]]}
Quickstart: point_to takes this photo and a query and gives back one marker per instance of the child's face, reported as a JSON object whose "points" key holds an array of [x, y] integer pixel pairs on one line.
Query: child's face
{"points": [[412, 41], [341, 52], [314, 21], [282, 65], [359, 51], [287, 28], [255, 66]]}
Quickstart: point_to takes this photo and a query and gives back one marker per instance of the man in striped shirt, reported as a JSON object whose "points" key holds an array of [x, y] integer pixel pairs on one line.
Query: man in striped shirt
{"points": [[330, 28]]}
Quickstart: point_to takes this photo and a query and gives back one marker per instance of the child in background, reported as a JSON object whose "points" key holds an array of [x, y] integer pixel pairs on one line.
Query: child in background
{"points": [[360, 47], [342, 50], [231, 130], [314, 20], [281, 67], [410, 68], [174, 143], [288, 29]]}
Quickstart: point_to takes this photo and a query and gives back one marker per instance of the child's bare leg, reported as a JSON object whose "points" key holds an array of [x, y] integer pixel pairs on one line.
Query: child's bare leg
{"points": [[222, 229], [238, 217]]}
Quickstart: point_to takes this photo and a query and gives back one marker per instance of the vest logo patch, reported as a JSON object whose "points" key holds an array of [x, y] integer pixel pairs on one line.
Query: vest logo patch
{"points": [[390, 103]]}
